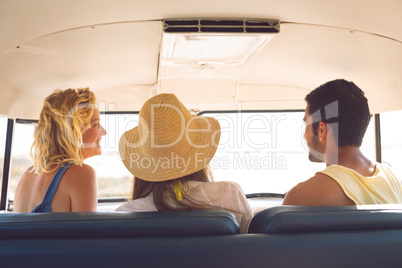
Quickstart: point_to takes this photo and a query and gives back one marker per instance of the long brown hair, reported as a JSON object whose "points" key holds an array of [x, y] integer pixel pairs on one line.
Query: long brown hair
{"points": [[164, 195]]}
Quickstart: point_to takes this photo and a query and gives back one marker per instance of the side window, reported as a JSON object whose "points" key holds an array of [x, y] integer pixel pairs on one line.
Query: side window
{"points": [[391, 141], [3, 130], [21, 160], [368, 145]]}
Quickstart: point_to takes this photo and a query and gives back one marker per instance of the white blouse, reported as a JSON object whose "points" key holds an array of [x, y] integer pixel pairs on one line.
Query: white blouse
{"points": [[223, 195]]}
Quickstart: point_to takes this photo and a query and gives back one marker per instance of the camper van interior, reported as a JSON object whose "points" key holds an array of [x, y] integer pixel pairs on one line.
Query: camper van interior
{"points": [[249, 65]]}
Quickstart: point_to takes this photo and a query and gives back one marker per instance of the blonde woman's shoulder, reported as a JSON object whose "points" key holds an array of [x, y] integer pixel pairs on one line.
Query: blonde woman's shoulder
{"points": [[81, 184], [82, 169]]}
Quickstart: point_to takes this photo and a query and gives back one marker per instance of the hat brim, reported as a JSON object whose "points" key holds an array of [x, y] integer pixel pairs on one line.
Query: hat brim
{"points": [[189, 153]]}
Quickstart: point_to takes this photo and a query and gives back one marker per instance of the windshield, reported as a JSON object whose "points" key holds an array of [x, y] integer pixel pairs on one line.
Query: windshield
{"points": [[265, 152], [262, 151]]}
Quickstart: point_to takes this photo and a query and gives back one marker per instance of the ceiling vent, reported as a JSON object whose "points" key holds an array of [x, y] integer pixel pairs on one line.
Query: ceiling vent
{"points": [[221, 26], [207, 55]]}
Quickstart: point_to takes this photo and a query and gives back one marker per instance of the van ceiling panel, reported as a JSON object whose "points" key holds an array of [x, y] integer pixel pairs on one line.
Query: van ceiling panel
{"points": [[358, 40], [271, 96], [305, 56], [24, 20], [100, 57]]}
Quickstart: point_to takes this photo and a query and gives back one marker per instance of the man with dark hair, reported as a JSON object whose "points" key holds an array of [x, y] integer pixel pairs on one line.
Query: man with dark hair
{"points": [[336, 118]]}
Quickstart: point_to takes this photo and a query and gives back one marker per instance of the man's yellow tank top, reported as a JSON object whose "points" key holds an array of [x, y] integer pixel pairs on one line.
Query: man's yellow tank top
{"points": [[381, 188]]}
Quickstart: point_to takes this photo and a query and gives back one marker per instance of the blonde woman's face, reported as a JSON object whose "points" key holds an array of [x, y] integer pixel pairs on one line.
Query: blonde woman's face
{"points": [[92, 137]]}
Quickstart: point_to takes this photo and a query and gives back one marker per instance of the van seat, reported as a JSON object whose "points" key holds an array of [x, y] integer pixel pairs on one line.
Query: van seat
{"points": [[295, 219], [117, 224]]}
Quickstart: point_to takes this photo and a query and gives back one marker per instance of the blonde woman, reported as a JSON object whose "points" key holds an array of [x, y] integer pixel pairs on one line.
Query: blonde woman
{"points": [[68, 132], [168, 154]]}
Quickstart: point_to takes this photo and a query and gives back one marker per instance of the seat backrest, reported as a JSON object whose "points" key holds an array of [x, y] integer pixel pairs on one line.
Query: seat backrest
{"points": [[117, 224], [293, 219]]}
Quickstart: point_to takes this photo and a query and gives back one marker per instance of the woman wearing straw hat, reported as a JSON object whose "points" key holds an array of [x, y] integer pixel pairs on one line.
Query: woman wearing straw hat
{"points": [[68, 132], [168, 154]]}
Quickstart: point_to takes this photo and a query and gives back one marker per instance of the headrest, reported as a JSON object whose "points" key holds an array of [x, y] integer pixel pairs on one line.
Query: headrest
{"points": [[117, 224], [293, 219]]}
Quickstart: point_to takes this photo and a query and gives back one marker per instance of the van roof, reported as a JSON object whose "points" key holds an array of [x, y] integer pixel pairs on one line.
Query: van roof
{"points": [[119, 50]]}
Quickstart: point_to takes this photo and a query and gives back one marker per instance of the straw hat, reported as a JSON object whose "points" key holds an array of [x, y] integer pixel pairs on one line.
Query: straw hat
{"points": [[169, 142]]}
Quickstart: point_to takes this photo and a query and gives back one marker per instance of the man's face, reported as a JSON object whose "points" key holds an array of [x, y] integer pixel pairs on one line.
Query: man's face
{"points": [[316, 151]]}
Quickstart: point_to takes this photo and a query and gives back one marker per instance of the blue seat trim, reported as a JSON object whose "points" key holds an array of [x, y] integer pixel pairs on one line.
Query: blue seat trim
{"points": [[294, 219], [117, 224]]}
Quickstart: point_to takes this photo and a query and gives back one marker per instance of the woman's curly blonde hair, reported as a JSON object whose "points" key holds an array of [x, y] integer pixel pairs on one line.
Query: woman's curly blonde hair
{"points": [[58, 135]]}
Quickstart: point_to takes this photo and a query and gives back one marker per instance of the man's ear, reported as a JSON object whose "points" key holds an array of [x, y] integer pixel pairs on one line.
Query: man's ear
{"points": [[322, 131]]}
